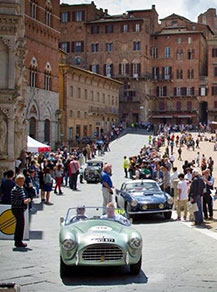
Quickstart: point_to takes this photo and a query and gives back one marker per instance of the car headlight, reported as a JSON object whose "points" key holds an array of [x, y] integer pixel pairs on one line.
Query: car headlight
{"points": [[170, 201], [144, 207], [68, 244], [135, 242], [134, 203]]}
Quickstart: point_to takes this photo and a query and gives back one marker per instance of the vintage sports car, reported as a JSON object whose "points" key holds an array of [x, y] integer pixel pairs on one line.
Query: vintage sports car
{"points": [[143, 197], [89, 238], [92, 171]]}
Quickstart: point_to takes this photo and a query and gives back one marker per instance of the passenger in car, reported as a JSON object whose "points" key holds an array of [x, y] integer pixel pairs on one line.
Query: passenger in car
{"points": [[110, 209]]}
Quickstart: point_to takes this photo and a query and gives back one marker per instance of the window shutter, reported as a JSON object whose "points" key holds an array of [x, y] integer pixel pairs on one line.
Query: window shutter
{"points": [[83, 15], [104, 69], [68, 16], [157, 90], [127, 68], [206, 91], [73, 15], [139, 69], [131, 71], [90, 67], [73, 47], [97, 69], [199, 91], [175, 91], [153, 73], [119, 68], [164, 91], [184, 90], [163, 73], [111, 70], [192, 90], [68, 47], [60, 45], [82, 46]]}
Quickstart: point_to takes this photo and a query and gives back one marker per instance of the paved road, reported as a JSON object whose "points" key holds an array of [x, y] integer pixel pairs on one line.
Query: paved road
{"points": [[176, 258]]}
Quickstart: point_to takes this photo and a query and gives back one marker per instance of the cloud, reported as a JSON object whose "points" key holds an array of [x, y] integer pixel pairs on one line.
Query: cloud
{"points": [[190, 9]]}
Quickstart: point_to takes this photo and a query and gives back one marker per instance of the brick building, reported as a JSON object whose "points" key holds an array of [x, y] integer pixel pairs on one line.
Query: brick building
{"points": [[114, 46], [89, 103], [42, 37], [164, 67]]}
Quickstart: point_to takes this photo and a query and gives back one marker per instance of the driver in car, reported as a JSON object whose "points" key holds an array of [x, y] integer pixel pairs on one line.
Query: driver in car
{"points": [[80, 214], [110, 209]]}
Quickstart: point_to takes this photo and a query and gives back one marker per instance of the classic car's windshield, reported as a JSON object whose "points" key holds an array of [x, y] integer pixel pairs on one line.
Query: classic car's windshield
{"points": [[94, 164], [90, 213], [142, 186]]}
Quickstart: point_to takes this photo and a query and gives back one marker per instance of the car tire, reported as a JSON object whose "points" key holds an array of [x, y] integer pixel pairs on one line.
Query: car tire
{"points": [[136, 268], [167, 215], [64, 269]]}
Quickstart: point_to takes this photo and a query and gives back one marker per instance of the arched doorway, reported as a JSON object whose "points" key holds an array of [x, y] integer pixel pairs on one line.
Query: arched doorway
{"points": [[204, 112], [47, 131], [32, 128]]}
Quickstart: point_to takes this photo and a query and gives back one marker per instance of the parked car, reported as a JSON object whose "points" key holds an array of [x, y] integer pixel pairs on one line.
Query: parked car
{"points": [[92, 171], [144, 197], [89, 239]]}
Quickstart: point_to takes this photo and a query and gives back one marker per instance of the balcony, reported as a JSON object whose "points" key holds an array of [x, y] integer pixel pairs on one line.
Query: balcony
{"points": [[162, 77]]}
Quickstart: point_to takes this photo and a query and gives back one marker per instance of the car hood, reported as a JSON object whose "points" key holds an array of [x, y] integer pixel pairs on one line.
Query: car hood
{"points": [[150, 197], [92, 230]]}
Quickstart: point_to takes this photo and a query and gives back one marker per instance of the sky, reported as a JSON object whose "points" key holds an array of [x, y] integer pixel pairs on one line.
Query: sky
{"points": [[190, 9]]}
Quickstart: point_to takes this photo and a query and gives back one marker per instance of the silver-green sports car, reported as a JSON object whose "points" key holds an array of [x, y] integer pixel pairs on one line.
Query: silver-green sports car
{"points": [[89, 238]]}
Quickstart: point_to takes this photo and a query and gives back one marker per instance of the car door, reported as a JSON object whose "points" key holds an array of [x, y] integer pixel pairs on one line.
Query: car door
{"points": [[121, 196]]}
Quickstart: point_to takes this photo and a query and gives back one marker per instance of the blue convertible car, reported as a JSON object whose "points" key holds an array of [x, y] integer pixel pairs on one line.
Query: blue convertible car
{"points": [[144, 197]]}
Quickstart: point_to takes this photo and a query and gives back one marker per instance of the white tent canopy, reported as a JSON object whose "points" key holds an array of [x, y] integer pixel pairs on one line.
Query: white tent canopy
{"points": [[36, 146]]}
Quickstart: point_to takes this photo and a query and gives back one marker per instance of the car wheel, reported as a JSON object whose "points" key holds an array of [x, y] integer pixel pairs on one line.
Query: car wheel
{"points": [[167, 215], [64, 269], [136, 268], [127, 210]]}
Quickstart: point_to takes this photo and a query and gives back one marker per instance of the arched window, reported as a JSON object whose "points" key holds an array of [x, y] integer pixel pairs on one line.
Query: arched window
{"points": [[47, 77], [33, 73], [32, 128], [47, 131], [178, 106]]}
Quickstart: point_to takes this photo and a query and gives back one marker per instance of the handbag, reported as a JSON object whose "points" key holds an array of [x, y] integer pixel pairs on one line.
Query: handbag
{"points": [[193, 207]]}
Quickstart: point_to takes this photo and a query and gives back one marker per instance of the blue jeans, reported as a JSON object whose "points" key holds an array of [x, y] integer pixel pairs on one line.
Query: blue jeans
{"points": [[199, 214], [66, 178]]}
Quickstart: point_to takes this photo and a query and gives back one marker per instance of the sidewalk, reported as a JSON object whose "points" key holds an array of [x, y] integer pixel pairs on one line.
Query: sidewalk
{"points": [[206, 148]]}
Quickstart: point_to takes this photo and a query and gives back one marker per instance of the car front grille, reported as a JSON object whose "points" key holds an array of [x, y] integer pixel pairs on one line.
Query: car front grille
{"points": [[151, 207], [102, 253]]}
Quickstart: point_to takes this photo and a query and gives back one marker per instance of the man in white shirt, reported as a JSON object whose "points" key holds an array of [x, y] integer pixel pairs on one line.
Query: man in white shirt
{"points": [[182, 197]]}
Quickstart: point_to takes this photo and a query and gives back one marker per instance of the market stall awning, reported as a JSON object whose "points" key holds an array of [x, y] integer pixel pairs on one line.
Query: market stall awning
{"points": [[184, 116], [36, 146]]}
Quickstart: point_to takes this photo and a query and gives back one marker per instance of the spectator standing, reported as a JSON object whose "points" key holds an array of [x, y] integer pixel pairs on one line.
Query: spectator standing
{"points": [[58, 177], [180, 154], [173, 177], [48, 181], [182, 196], [207, 199], [18, 206], [166, 179], [74, 169], [126, 165], [107, 184], [6, 187], [195, 195], [198, 159]]}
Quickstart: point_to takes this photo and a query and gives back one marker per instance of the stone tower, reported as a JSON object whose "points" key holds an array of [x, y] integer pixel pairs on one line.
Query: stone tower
{"points": [[12, 83]]}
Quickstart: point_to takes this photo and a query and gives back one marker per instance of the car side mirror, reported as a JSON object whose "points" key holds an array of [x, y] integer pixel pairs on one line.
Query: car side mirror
{"points": [[61, 220]]}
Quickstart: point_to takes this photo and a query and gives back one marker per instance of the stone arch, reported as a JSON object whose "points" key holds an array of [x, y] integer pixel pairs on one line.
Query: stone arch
{"points": [[108, 61], [4, 64], [34, 63], [48, 5], [33, 111]]}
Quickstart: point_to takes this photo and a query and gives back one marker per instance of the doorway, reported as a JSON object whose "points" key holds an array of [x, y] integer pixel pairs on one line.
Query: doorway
{"points": [[204, 112]]}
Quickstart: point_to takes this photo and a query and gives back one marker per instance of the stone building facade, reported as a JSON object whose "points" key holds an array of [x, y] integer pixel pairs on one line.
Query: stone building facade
{"points": [[89, 103], [42, 35], [12, 83]]}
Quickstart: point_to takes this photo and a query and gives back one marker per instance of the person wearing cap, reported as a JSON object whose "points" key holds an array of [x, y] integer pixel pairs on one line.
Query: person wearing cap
{"points": [[107, 184], [195, 194], [80, 214]]}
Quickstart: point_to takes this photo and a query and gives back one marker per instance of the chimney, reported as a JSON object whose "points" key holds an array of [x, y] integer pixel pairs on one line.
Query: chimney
{"points": [[153, 6], [106, 11]]}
